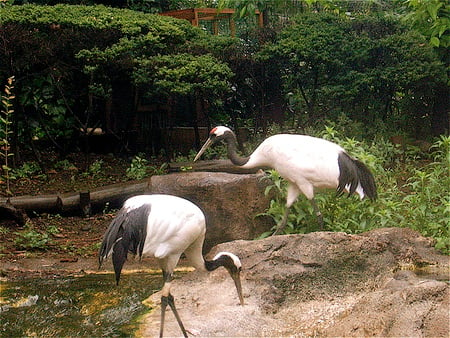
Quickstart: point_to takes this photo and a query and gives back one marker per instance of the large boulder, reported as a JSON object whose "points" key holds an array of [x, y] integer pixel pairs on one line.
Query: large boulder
{"points": [[231, 202], [318, 284], [406, 306]]}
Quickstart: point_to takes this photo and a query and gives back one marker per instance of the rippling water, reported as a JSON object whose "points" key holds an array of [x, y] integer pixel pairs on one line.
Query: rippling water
{"points": [[87, 306]]}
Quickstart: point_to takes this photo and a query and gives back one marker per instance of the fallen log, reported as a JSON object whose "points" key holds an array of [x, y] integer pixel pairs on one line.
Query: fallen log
{"points": [[70, 202], [85, 202], [8, 211], [33, 203]]}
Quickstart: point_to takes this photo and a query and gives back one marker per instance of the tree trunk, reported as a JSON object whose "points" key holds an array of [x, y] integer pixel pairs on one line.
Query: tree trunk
{"points": [[440, 114], [70, 202]]}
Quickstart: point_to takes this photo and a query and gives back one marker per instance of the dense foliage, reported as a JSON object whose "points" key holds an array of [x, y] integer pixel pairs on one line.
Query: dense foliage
{"points": [[146, 6], [371, 68], [432, 19], [71, 61], [87, 66]]}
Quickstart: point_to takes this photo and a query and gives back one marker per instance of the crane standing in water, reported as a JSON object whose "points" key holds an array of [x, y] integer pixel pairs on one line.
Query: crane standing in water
{"points": [[164, 227]]}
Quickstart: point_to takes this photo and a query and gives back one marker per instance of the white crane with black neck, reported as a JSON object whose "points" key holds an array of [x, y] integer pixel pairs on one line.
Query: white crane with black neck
{"points": [[305, 162], [164, 227]]}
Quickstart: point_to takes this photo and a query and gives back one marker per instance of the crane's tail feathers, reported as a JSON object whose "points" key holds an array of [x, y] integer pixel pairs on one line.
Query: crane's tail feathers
{"points": [[119, 256], [366, 180], [111, 237], [126, 233], [355, 176]]}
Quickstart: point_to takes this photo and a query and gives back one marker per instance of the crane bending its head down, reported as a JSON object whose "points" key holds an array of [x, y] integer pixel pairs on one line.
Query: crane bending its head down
{"points": [[164, 227], [305, 162]]}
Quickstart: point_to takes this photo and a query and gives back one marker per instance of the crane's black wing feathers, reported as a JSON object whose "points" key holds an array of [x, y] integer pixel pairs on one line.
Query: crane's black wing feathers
{"points": [[126, 233], [352, 172]]}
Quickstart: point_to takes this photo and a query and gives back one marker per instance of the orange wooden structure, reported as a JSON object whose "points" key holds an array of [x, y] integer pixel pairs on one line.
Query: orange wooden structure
{"points": [[195, 15]]}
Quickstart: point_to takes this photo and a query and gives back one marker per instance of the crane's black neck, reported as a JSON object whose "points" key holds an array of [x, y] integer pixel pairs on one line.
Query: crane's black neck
{"points": [[223, 260], [233, 155]]}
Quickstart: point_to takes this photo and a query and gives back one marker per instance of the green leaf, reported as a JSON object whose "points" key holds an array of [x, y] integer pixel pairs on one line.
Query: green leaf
{"points": [[434, 41], [433, 9]]}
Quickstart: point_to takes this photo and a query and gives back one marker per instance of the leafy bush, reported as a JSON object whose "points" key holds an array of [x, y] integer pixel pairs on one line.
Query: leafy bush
{"points": [[95, 169], [428, 197], [64, 165], [31, 239], [138, 168], [161, 170], [368, 67], [70, 57], [28, 169]]}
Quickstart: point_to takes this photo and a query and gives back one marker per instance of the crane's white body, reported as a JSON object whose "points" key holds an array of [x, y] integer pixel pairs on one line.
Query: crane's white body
{"points": [[305, 161], [174, 226]]}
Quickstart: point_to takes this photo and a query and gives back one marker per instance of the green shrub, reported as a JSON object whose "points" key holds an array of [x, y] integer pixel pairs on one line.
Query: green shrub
{"points": [[31, 239], [138, 168], [64, 165], [67, 54], [370, 67], [161, 170], [27, 170], [94, 170], [428, 196]]}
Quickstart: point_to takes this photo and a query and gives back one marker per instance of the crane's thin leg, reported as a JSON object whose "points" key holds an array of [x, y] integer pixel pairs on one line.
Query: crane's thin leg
{"points": [[292, 194], [167, 299], [177, 316], [164, 303], [282, 225], [317, 212], [170, 301]]}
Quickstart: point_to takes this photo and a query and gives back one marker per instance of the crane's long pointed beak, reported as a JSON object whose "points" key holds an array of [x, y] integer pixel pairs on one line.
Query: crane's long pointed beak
{"points": [[237, 281], [205, 146]]}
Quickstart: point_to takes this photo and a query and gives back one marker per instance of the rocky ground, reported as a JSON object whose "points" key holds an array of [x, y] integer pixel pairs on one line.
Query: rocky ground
{"points": [[319, 284], [384, 283]]}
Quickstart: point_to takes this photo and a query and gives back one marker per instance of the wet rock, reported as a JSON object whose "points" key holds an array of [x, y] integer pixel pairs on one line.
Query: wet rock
{"points": [[318, 284]]}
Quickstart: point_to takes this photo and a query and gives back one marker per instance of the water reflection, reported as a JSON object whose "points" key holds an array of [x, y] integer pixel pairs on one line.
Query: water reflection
{"points": [[89, 306]]}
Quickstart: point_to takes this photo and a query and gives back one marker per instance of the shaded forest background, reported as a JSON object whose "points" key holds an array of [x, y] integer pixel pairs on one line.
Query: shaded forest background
{"points": [[134, 76]]}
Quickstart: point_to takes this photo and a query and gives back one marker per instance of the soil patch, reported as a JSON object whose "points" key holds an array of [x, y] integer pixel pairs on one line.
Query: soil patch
{"points": [[47, 236], [75, 173]]}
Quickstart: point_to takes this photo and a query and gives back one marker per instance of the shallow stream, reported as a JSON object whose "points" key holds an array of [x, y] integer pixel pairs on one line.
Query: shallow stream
{"points": [[84, 306]]}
